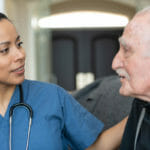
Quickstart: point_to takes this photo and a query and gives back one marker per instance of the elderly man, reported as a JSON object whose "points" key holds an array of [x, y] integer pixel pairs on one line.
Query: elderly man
{"points": [[132, 63]]}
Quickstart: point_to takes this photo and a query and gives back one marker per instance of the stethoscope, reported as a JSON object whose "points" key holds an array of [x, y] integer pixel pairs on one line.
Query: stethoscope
{"points": [[28, 107]]}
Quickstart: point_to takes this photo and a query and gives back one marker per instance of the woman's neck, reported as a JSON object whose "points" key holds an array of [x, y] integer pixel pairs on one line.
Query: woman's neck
{"points": [[6, 92]]}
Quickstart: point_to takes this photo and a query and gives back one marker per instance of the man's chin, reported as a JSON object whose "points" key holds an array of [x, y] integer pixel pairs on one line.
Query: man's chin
{"points": [[124, 92]]}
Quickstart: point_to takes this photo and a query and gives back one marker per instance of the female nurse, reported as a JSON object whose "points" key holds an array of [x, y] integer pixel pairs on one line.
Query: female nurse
{"points": [[58, 120]]}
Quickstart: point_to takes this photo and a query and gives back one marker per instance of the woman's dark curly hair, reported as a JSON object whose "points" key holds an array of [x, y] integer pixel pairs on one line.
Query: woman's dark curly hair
{"points": [[3, 16]]}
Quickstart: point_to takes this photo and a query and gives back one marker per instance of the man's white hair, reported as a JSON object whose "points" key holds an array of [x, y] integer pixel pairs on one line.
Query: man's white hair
{"points": [[144, 10]]}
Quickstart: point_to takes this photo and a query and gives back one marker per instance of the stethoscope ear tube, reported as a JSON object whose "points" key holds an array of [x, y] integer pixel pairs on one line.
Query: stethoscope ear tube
{"points": [[12, 108], [10, 121]]}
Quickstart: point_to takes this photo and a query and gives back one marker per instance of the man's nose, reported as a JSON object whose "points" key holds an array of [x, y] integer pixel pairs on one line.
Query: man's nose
{"points": [[117, 61]]}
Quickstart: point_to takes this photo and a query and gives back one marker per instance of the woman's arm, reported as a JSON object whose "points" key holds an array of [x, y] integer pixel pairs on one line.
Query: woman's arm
{"points": [[110, 139]]}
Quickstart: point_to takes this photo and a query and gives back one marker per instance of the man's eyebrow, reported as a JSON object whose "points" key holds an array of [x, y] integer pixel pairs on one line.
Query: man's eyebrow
{"points": [[123, 42], [120, 40]]}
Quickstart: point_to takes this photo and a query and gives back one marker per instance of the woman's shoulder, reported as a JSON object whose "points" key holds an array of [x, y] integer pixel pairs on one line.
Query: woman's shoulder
{"points": [[43, 91], [34, 85]]}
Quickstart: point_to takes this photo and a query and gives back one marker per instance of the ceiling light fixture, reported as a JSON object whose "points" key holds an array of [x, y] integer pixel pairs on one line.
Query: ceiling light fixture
{"points": [[86, 14], [83, 19]]}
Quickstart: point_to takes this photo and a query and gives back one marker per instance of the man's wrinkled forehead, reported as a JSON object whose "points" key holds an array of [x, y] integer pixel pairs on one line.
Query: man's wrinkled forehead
{"points": [[139, 22], [135, 30], [133, 27]]}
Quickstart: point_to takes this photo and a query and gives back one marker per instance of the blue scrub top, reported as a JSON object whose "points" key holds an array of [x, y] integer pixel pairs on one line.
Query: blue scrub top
{"points": [[58, 120]]}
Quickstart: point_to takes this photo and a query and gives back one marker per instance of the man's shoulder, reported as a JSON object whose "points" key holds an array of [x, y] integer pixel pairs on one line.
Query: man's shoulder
{"points": [[140, 103]]}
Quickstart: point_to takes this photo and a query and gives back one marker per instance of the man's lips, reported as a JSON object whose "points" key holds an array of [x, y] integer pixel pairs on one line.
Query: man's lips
{"points": [[121, 76]]}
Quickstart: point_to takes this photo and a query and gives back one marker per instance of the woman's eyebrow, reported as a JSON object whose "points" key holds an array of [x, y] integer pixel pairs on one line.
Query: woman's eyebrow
{"points": [[18, 38], [5, 43], [8, 42]]}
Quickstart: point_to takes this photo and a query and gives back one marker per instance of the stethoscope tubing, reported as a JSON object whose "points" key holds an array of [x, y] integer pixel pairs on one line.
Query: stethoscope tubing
{"points": [[28, 107], [12, 108]]}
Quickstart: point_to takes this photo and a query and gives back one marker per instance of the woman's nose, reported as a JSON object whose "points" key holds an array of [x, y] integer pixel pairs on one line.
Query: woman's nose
{"points": [[19, 54]]}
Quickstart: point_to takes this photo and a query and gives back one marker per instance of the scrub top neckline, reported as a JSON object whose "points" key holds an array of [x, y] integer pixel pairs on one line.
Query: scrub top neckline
{"points": [[14, 99]]}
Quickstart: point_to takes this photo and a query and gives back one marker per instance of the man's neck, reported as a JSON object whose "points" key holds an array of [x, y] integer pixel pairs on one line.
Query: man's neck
{"points": [[144, 98]]}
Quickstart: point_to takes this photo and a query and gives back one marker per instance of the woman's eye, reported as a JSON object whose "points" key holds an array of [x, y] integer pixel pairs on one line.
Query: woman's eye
{"points": [[19, 44], [4, 50]]}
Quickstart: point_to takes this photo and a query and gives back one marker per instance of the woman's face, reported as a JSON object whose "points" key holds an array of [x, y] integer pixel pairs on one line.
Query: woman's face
{"points": [[12, 55]]}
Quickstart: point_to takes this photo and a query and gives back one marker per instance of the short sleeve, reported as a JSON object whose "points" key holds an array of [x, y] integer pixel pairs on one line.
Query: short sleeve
{"points": [[81, 128]]}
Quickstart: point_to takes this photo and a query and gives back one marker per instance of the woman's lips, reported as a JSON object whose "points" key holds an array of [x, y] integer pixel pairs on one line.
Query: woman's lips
{"points": [[19, 70]]}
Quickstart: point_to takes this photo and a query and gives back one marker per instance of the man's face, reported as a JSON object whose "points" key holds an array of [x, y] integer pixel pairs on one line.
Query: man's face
{"points": [[12, 55], [132, 62]]}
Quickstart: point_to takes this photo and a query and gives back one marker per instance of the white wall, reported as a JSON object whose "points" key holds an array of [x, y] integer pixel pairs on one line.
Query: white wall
{"points": [[22, 13], [2, 6]]}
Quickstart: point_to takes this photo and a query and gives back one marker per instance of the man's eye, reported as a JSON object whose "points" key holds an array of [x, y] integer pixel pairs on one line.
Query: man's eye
{"points": [[126, 49], [19, 44], [4, 50]]}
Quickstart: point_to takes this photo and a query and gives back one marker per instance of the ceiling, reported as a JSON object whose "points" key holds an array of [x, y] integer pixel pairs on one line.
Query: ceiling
{"points": [[138, 4]]}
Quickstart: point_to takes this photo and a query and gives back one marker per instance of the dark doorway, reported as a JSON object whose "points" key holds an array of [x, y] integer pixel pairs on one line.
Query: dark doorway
{"points": [[76, 51]]}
